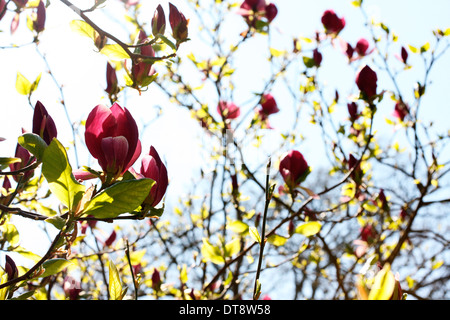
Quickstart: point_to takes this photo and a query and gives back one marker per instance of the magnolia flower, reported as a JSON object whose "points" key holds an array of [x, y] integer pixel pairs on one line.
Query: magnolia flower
{"points": [[228, 110], [43, 124], [268, 105], [332, 23], [366, 80], [152, 167], [158, 21], [178, 23], [112, 138], [294, 169]]}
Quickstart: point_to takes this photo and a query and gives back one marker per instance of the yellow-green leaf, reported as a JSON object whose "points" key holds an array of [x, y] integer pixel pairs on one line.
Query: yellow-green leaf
{"points": [[211, 253], [114, 52], [384, 284], [83, 28], [277, 240], [23, 85], [237, 226], [309, 228], [255, 234], [115, 285], [232, 247]]}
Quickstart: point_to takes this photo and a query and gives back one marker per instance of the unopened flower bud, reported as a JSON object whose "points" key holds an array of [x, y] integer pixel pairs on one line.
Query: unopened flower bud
{"points": [[158, 21], [178, 23], [11, 268]]}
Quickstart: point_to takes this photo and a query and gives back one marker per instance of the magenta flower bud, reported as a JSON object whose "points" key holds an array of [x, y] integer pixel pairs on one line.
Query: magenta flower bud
{"points": [[291, 228], [142, 70], [39, 23], [294, 169], [366, 80], [404, 55], [178, 23], [349, 51], [152, 167], [11, 268], [368, 233], [271, 12], [332, 23], [362, 46], [43, 124], [158, 21], [112, 87], [353, 111], [72, 288], [317, 57], [2, 8], [110, 240], [401, 110], [268, 105], [156, 280], [112, 138], [24, 155], [228, 110], [6, 183]]}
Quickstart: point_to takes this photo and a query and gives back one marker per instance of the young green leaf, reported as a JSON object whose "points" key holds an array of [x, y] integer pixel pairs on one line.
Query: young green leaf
{"points": [[255, 234], [114, 52], [384, 284], [5, 162], [115, 285], [277, 240], [23, 85], [309, 229], [83, 28], [58, 173], [211, 253], [54, 266], [121, 197], [33, 143]]}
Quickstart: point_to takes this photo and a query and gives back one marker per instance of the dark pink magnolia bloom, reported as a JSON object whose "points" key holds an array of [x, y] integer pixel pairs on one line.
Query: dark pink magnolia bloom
{"points": [[401, 110], [268, 105], [39, 23], [404, 55], [156, 280], [112, 138], [317, 57], [11, 268], [178, 23], [253, 10], [368, 233], [353, 111], [332, 23], [271, 12], [43, 124], [2, 8], [349, 50], [158, 21], [362, 46], [110, 240], [25, 156], [366, 80], [228, 110], [294, 169], [140, 71], [112, 85], [72, 288], [152, 167]]}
